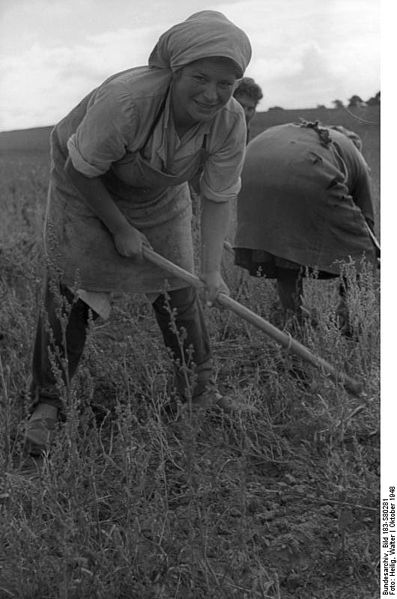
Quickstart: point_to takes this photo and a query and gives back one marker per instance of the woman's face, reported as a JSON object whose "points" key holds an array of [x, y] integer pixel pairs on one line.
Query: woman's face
{"points": [[201, 89]]}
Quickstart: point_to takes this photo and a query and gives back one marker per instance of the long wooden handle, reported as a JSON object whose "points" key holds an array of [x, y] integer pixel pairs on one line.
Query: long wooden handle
{"points": [[373, 238], [282, 338]]}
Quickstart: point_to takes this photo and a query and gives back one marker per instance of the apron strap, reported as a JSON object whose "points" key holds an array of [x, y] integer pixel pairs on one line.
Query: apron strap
{"points": [[156, 120]]}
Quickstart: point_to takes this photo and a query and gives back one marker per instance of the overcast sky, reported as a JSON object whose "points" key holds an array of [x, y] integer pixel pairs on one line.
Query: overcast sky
{"points": [[305, 52]]}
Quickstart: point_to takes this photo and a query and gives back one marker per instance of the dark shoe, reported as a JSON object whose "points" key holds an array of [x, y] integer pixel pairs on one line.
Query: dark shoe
{"points": [[39, 434]]}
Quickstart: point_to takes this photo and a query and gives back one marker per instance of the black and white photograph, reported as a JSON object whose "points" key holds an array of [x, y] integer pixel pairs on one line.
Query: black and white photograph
{"points": [[196, 384]]}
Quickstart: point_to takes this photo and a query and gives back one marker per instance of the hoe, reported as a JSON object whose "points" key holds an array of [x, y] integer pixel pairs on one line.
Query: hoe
{"points": [[352, 385]]}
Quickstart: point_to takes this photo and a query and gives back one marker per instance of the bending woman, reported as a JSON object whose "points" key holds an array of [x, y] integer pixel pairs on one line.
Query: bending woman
{"points": [[120, 165], [305, 205]]}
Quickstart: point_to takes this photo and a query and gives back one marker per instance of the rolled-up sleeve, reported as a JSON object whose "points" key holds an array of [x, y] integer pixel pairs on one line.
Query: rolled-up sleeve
{"points": [[104, 133], [220, 181]]}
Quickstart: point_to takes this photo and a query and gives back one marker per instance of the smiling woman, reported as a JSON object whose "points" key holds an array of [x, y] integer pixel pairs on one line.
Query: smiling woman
{"points": [[200, 89], [121, 162]]}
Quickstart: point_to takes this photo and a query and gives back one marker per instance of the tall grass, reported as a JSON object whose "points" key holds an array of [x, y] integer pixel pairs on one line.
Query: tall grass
{"points": [[277, 501]]}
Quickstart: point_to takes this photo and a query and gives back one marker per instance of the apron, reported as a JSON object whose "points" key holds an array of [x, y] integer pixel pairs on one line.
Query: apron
{"points": [[81, 249]]}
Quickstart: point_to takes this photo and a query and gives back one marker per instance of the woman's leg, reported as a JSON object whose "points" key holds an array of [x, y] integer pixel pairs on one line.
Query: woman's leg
{"points": [[191, 346], [57, 344], [290, 291], [60, 338], [342, 310], [55, 347]]}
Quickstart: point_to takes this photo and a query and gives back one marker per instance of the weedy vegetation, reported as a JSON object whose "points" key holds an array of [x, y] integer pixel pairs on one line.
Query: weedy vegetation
{"points": [[278, 501]]}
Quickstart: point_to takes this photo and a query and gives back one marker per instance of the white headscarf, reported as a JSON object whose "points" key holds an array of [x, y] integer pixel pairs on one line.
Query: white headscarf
{"points": [[204, 34]]}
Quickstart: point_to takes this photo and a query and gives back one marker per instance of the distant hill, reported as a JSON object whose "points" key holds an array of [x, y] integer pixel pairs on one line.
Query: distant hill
{"points": [[363, 120], [29, 140]]}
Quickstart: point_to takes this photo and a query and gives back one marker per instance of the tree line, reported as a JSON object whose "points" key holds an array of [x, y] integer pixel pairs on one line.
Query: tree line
{"points": [[353, 102]]}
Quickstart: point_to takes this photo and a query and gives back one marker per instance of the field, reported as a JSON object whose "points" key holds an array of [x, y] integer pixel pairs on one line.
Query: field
{"points": [[278, 501]]}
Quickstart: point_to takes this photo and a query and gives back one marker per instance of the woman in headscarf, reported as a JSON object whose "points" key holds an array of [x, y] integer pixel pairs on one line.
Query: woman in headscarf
{"points": [[305, 205], [121, 160]]}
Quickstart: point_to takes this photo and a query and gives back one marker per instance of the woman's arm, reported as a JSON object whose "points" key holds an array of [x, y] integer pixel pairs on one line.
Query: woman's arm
{"points": [[363, 197], [127, 240], [215, 218]]}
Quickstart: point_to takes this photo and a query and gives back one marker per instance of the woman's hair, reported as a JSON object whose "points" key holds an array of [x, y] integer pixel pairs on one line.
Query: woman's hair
{"points": [[250, 88]]}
